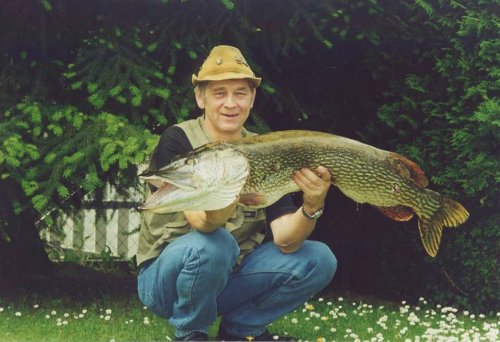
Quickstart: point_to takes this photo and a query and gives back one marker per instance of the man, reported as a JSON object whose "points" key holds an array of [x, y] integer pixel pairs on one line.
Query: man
{"points": [[195, 265]]}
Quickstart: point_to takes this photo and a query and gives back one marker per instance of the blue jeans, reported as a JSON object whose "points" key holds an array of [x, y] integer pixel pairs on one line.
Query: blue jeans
{"points": [[193, 280]]}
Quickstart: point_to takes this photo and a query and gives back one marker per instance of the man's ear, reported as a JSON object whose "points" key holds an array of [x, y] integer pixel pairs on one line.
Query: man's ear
{"points": [[200, 98], [253, 97]]}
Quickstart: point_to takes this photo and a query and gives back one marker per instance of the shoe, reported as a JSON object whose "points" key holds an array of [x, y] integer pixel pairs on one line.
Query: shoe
{"points": [[194, 336], [223, 335]]}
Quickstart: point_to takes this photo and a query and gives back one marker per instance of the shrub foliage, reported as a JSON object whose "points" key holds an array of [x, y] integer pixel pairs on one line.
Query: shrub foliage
{"points": [[86, 87]]}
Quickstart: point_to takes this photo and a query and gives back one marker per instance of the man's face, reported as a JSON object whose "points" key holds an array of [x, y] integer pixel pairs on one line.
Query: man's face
{"points": [[227, 105]]}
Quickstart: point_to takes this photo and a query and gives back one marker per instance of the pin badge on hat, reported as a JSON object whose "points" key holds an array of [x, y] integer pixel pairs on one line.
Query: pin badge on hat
{"points": [[218, 60], [240, 60]]}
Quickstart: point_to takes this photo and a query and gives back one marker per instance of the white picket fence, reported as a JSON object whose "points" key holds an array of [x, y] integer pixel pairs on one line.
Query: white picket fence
{"points": [[115, 232]]}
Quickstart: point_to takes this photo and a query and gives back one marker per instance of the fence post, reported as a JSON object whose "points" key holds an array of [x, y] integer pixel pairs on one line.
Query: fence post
{"points": [[100, 231], [123, 231], [78, 229]]}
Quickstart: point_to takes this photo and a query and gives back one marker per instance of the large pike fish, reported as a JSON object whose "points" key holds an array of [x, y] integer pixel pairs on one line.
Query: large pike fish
{"points": [[260, 169]]}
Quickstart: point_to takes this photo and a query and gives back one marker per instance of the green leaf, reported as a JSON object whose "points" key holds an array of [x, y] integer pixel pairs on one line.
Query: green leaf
{"points": [[268, 89], [36, 115], [158, 75], [63, 191], [78, 120], [67, 173], [46, 4], [70, 74], [152, 47], [39, 202], [50, 158], [91, 181], [328, 44], [136, 100], [76, 85], [171, 70], [164, 93], [96, 100], [228, 4], [32, 151], [56, 129], [122, 163], [29, 187], [11, 161], [425, 6], [136, 96], [115, 90], [92, 87], [192, 54], [134, 90]]}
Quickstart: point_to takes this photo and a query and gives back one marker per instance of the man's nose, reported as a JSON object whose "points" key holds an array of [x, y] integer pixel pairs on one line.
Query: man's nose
{"points": [[230, 102]]}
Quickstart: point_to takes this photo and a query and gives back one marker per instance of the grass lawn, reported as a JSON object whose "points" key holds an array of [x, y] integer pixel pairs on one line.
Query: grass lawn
{"points": [[321, 319]]}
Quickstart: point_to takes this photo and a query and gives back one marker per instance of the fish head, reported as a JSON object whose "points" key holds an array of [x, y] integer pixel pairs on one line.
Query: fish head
{"points": [[207, 178]]}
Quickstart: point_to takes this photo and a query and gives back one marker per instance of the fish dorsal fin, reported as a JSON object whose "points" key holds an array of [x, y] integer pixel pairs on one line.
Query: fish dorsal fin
{"points": [[397, 213], [409, 169]]}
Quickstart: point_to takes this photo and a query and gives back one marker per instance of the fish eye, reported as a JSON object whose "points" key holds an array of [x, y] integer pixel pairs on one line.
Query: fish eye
{"points": [[190, 161]]}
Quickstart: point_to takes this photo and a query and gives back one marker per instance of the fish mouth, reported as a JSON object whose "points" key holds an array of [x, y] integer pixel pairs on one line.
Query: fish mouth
{"points": [[154, 199], [182, 180]]}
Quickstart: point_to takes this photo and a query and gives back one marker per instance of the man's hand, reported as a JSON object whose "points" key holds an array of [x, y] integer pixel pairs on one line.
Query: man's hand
{"points": [[210, 220], [315, 187], [220, 216], [290, 230]]}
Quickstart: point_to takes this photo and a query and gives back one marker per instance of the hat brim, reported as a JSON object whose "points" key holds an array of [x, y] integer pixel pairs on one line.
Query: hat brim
{"points": [[226, 76]]}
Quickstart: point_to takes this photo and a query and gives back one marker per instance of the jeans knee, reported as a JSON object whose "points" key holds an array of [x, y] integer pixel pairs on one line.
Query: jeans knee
{"points": [[219, 249], [326, 263]]}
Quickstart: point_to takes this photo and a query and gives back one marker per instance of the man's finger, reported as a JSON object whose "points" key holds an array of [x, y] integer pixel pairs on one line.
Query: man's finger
{"points": [[324, 173]]}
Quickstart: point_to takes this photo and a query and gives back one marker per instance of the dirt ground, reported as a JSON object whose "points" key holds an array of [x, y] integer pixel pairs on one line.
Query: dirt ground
{"points": [[72, 282]]}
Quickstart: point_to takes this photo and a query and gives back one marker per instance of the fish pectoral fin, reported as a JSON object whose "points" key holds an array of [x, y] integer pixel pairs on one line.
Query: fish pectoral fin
{"points": [[253, 199], [397, 213], [222, 197], [213, 200]]}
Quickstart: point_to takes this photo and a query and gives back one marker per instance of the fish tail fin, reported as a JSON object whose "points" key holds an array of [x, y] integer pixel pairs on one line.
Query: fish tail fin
{"points": [[447, 213]]}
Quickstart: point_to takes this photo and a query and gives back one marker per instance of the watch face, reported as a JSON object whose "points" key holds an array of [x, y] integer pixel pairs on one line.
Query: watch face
{"points": [[313, 216], [317, 214]]}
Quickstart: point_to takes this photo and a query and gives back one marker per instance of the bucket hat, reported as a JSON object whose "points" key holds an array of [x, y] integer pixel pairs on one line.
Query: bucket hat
{"points": [[225, 63]]}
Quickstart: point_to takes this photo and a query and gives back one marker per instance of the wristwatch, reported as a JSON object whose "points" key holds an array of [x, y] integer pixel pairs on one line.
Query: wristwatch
{"points": [[313, 216]]}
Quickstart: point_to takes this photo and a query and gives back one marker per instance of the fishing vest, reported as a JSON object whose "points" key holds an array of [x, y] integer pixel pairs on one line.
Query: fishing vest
{"points": [[157, 230]]}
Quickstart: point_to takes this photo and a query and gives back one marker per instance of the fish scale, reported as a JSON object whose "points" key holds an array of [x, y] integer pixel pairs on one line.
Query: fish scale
{"points": [[386, 180]]}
